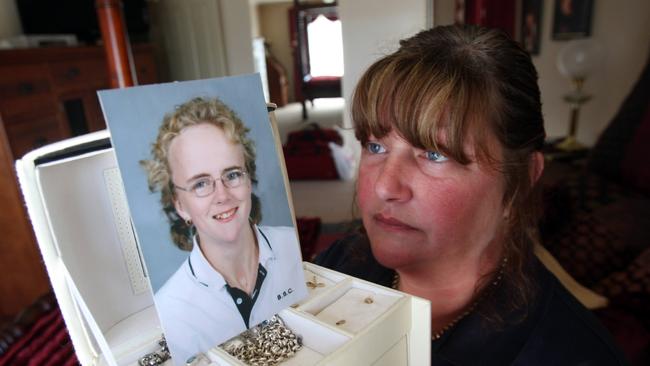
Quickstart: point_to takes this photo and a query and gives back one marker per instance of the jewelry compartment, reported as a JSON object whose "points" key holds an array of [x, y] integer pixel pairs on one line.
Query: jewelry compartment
{"points": [[77, 206], [351, 305], [317, 342], [400, 320], [397, 332], [319, 281]]}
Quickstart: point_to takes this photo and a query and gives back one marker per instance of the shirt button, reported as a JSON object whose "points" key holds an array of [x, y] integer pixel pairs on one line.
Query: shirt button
{"points": [[239, 301]]}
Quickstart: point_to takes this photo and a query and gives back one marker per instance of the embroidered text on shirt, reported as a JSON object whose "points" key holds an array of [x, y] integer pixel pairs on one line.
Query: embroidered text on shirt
{"points": [[285, 293]]}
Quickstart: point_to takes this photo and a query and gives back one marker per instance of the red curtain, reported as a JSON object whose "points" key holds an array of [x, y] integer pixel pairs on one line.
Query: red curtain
{"points": [[492, 13]]}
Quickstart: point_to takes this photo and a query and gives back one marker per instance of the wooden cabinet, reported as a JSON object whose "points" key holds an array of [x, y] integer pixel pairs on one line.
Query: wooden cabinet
{"points": [[46, 95]]}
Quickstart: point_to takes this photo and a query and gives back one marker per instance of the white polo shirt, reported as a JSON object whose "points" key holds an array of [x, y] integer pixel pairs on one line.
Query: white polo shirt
{"points": [[197, 311]]}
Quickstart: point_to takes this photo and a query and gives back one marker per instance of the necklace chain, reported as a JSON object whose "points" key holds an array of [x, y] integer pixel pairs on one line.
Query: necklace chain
{"points": [[266, 344], [437, 335]]}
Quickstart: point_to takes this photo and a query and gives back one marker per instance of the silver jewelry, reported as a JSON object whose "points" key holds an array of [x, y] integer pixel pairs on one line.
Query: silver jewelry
{"points": [[266, 344], [157, 357]]}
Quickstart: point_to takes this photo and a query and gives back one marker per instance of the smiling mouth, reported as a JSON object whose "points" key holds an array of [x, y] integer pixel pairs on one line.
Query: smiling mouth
{"points": [[224, 216]]}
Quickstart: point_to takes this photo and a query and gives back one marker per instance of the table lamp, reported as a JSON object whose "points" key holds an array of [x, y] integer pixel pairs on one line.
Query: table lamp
{"points": [[577, 60]]}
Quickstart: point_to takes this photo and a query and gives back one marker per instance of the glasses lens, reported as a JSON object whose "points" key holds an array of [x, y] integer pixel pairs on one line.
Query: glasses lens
{"points": [[233, 178], [203, 187]]}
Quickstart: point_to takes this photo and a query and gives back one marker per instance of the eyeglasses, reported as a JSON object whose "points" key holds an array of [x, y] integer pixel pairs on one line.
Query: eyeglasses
{"points": [[205, 186]]}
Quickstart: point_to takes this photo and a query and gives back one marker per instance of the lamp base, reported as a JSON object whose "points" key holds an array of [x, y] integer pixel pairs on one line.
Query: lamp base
{"points": [[570, 144]]}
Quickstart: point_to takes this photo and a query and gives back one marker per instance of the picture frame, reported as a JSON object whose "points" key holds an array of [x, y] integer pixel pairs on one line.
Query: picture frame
{"points": [[531, 25], [572, 19]]}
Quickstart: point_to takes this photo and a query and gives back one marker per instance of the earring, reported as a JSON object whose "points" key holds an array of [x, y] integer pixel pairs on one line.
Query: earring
{"points": [[188, 222]]}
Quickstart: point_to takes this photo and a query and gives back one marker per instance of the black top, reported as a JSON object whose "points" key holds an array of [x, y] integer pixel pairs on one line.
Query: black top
{"points": [[243, 302], [241, 299], [557, 329]]}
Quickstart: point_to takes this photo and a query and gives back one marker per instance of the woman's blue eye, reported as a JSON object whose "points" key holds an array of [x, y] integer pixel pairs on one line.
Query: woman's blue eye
{"points": [[232, 175], [201, 184], [375, 148], [435, 156]]}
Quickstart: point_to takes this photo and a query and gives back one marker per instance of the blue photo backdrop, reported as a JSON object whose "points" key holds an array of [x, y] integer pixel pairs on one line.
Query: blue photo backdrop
{"points": [[134, 115]]}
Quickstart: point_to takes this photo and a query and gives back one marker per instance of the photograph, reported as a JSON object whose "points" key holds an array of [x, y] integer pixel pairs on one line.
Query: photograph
{"points": [[572, 19], [531, 24], [209, 207]]}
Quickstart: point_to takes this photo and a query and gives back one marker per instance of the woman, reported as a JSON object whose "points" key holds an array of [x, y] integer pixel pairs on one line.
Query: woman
{"points": [[451, 128], [237, 274]]}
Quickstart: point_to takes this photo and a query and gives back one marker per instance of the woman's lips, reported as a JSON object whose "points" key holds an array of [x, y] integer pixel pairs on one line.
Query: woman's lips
{"points": [[391, 223], [226, 216]]}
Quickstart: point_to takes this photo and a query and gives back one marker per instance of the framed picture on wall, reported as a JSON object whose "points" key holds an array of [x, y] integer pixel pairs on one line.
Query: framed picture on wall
{"points": [[572, 19], [531, 24]]}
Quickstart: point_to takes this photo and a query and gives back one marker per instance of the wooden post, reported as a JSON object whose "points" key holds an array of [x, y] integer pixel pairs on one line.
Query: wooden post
{"points": [[116, 44]]}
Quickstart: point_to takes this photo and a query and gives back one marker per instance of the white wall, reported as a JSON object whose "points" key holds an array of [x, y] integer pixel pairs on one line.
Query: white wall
{"points": [[238, 36], [9, 20], [203, 38], [274, 27], [623, 29], [372, 29], [255, 19]]}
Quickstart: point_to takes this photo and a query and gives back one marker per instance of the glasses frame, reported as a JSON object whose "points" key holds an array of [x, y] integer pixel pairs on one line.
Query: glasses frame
{"points": [[213, 182]]}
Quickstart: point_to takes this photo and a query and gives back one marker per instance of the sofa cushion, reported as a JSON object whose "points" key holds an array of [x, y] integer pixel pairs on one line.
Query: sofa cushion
{"points": [[635, 170], [588, 298], [593, 226], [610, 150], [629, 288]]}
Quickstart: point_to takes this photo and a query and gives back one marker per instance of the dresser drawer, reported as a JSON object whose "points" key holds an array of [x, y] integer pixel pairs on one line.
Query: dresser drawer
{"points": [[27, 136], [28, 107], [23, 81], [145, 68], [79, 75]]}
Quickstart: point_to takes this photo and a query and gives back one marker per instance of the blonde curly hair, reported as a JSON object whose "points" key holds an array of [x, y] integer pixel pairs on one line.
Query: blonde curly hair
{"points": [[194, 112]]}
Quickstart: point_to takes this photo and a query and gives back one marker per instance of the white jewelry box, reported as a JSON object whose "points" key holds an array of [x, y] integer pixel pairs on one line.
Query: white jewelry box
{"points": [[349, 321], [79, 212], [77, 206]]}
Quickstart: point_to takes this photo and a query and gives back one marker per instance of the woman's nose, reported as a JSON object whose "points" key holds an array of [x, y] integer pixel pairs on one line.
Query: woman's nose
{"points": [[392, 182], [221, 193]]}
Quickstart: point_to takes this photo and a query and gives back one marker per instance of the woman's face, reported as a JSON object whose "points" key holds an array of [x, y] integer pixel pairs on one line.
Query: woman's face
{"points": [[204, 151], [417, 205]]}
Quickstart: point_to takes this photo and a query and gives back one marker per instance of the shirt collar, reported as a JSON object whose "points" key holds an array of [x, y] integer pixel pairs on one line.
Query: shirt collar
{"points": [[202, 271], [266, 250]]}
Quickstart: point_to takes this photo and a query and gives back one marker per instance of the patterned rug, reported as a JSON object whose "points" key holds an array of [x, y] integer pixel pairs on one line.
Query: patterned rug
{"points": [[38, 336]]}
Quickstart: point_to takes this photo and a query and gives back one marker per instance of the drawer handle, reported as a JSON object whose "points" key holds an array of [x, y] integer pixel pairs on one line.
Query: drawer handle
{"points": [[26, 88], [72, 73]]}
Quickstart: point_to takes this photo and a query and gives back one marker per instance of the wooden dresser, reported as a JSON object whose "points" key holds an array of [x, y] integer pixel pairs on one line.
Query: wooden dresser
{"points": [[46, 95]]}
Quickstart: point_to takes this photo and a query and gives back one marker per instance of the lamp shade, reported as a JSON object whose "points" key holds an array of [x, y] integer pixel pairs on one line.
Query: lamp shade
{"points": [[579, 58]]}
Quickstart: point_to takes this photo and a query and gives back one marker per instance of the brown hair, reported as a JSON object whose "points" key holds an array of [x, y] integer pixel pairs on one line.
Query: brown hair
{"points": [[192, 113], [470, 82]]}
